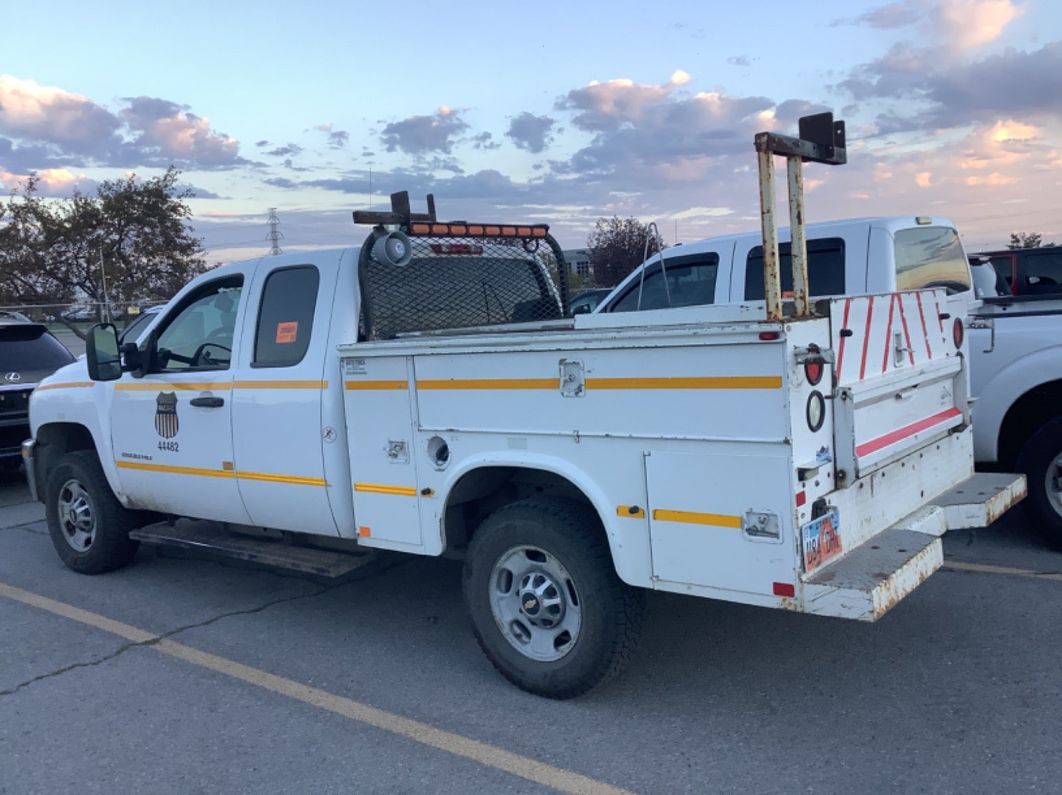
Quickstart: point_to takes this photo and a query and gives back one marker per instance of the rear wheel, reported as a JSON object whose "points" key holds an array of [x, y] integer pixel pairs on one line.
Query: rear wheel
{"points": [[547, 607], [88, 526], [1041, 461]]}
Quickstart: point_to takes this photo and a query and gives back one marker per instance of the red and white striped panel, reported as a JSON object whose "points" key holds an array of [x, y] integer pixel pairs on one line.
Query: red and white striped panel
{"points": [[870, 349]]}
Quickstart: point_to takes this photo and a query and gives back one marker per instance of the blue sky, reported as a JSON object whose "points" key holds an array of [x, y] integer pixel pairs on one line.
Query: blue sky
{"points": [[555, 112]]}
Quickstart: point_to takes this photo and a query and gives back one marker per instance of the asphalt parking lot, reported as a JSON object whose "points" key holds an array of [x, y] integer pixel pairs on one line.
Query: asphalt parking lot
{"points": [[180, 674]]}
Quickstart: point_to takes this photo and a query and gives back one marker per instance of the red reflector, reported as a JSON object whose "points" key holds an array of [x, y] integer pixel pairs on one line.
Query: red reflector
{"points": [[784, 589], [813, 372], [958, 332], [770, 336], [801, 498]]}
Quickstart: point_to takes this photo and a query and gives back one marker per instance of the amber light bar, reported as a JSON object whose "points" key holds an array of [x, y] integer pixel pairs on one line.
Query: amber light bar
{"points": [[423, 229]]}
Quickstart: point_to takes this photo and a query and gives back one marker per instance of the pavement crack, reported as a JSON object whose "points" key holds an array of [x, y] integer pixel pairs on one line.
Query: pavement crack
{"points": [[67, 668], [319, 591]]}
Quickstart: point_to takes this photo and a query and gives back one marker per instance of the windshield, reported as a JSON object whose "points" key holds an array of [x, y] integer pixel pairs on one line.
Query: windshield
{"points": [[30, 347]]}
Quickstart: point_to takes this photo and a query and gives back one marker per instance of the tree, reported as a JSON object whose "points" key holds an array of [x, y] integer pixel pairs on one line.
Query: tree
{"points": [[1026, 240], [617, 247], [51, 250]]}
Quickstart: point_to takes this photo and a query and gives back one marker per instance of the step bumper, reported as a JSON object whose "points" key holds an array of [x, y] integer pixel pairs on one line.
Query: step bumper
{"points": [[871, 579], [980, 500]]}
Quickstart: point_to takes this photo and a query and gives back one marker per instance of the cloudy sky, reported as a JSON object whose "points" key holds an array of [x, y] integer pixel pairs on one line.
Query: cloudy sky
{"points": [[556, 112]]}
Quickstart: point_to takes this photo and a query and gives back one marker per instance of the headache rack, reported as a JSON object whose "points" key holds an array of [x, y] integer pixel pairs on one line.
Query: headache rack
{"points": [[419, 274]]}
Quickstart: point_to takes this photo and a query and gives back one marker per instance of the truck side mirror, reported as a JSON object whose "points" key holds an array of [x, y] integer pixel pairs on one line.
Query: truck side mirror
{"points": [[101, 352]]}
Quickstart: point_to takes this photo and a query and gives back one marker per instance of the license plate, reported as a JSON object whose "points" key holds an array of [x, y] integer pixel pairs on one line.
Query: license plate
{"points": [[822, 539]]}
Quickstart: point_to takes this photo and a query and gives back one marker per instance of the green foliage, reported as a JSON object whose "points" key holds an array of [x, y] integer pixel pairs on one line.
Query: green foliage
{"points": [[617, 247], [50, 249], [1026, 240]]}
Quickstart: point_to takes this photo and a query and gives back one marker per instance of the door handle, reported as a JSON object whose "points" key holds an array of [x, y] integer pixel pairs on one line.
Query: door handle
{"points": [[208, 402]]}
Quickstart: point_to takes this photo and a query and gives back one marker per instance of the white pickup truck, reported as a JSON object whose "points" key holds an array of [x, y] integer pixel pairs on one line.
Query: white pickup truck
{"points": [[1014, 346], [390, 398]]}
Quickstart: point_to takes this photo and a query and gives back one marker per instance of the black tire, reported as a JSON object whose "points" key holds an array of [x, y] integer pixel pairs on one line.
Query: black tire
{"points": [[1036, 457], [610, 612], [109, 546]]}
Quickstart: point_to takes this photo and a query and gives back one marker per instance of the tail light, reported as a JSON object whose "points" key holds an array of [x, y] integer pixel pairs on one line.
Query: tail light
{"points": [[958, 332], [814, 365]]}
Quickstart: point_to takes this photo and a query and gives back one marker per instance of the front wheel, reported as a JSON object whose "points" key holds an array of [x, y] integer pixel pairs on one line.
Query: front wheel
{"points": [[1041, 461], [88, 526], [547, 607]]}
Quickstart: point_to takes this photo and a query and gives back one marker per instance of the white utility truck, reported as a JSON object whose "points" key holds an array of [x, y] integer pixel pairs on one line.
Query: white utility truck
{"points": [[427, 394], [1013, 344]]}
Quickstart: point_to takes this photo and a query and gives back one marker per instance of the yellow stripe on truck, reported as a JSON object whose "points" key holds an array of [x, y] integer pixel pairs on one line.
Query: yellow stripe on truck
{"points": [[375, 384], [689, 382], [170, 386], [489, 383], [692, 517], [380, 488], [296, 480], [280, 384], [66, 385]]}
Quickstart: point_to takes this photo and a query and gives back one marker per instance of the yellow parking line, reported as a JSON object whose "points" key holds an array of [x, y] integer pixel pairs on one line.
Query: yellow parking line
{"points": [[424, 733], [985, 568]]}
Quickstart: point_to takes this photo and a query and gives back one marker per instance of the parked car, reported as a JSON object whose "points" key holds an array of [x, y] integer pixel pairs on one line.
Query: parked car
{"points": [[28, 353], [81, 314], [1029, 271]]}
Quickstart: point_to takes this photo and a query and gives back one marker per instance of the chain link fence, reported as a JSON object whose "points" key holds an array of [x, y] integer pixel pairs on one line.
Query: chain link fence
{"points": [[70, 322]]}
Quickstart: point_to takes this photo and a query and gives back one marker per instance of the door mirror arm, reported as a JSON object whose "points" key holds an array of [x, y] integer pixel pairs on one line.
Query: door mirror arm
{"points": [[138, 361]]}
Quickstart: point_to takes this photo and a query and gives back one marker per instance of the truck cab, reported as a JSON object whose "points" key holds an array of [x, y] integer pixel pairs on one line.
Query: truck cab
{"points": [[856, 256]]}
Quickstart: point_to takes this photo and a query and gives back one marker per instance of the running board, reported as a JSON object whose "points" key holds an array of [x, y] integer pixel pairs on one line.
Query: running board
{"points": [[218, 543], [980, 500]]}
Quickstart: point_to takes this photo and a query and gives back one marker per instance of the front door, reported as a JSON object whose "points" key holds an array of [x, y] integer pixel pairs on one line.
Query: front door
{"points": [[172, 429]]}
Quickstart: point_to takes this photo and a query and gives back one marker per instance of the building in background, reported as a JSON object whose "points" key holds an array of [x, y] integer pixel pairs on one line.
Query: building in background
{"points": [[578, 260]]}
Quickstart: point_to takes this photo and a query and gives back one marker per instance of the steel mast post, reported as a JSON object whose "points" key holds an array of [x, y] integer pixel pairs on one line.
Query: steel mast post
{"points": [[772, 277], [798, 247]]}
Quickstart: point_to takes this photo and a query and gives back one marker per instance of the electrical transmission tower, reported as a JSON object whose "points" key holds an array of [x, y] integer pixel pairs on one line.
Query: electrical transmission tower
{"points": [[275, 235]]}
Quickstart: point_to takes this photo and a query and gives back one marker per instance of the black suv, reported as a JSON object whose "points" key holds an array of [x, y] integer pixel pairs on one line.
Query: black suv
{"points": [[28, 353]]}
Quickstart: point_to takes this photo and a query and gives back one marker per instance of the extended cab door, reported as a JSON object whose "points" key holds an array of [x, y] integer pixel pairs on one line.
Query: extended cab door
{"points": [[836, 266], [171, 429], [279, 430]]}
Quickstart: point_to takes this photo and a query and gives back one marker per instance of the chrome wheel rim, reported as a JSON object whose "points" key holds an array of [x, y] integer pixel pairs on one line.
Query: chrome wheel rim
{"points": [[1053, 483], [77, 519], [535, 603]]}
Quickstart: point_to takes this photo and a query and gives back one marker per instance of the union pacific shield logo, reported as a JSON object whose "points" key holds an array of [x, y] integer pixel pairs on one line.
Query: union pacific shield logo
{"points": [[166, 415]]}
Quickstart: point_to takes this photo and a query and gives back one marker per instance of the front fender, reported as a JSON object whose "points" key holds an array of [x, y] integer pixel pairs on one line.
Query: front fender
{"points": [[1003, 390], [68, 397]]}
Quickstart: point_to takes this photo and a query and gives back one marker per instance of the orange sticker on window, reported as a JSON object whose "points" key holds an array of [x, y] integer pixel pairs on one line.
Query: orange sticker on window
{"points": [[287, 332]]}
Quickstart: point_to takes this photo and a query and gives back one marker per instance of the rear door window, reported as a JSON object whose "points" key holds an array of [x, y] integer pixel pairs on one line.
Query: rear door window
{"points": [[1042, 271], [285, 317], [825, 268], [682, 281], [931, 256]]}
